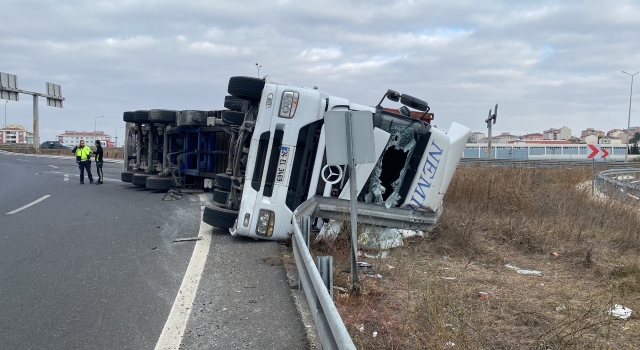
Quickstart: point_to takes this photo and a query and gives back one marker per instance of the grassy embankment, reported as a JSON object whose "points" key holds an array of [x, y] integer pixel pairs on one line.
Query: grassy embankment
{"points": [[495, 216]]}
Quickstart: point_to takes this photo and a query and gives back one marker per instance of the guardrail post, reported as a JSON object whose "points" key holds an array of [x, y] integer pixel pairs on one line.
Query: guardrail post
{"points": [[325, 267], [305, 227]]}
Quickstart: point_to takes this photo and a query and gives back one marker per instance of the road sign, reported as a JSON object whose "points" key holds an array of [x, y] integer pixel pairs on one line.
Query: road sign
{"points": [[597, 152], [54, 95], [8, 87]]}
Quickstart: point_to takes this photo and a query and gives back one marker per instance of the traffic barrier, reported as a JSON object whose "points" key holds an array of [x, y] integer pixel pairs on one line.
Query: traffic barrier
{"points": [[109, 153]]}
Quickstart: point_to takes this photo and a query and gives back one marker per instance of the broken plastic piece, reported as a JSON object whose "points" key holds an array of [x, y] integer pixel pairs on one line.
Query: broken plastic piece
{"points": [[620, 312], [525, 272]]}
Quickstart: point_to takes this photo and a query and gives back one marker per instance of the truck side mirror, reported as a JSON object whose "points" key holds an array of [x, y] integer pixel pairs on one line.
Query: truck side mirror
{"points": [[414, 102], [393, 95]]}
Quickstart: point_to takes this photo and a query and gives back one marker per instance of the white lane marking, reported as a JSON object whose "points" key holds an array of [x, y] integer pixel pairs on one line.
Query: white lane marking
{"points": [[66, 177], [55, 167], [28, 205], [24, 160], [173, 331], [106, 160]]}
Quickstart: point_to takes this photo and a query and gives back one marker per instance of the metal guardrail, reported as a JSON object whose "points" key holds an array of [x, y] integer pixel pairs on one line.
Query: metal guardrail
{"points": [[332, 332], [537, 163], [620, 183], [109, 152]]}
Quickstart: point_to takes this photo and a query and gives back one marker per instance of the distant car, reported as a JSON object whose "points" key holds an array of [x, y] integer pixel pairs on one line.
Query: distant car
{"points": [[55, 145]]}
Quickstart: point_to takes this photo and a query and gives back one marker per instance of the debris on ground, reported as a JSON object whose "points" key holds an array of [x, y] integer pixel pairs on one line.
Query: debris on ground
{"points": [[483, 295], [560, 308], [343, 290], [383, 254], [448, 278], [620, 312], [525, 272], [188, 239]]}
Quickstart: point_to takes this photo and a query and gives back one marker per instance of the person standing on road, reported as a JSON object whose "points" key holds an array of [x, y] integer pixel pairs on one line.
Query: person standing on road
{"points": [[98, 154], [83, 158]]}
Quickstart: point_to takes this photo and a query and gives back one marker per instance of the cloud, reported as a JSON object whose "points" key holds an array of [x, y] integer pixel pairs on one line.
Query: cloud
{"points": [[548, 64], [321, 54]]}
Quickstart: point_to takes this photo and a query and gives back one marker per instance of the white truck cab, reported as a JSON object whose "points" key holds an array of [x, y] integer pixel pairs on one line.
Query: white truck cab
{"points": [[277, 157]]}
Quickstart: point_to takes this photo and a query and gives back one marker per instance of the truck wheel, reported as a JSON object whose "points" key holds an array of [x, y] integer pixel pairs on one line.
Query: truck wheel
{"points": [[139, 180], [128, 117], [220, 196], [126, 176], [162, 116], [223, 181], [141, 116], [232, 117], [219, 217], [157, 183], [246, 87], [233, 103]]}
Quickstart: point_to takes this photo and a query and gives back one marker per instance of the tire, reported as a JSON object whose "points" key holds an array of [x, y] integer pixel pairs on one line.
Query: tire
{"points": [[223, 181], [162, 116], [233, 103], [139, 180], [141, 116], [157, 183], [126, 176], [219, 217], [128, 117], [246, 87], [220, 196], [232, 117]]}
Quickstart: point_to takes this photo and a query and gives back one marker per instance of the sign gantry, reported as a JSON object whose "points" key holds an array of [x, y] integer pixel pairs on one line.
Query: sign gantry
{"points": [[9, 90]]}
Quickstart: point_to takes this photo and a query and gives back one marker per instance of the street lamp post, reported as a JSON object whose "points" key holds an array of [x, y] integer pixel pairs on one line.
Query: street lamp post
{"points": [[115, 134], [95, 123], [258, 66], [629, 118]]}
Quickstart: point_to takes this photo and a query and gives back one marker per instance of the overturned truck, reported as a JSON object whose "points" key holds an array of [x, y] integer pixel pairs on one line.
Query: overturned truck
{"points": [[266, 154]]}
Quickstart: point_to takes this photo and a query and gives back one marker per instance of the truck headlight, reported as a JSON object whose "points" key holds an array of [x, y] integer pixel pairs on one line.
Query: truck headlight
{"points": [[288, 104], [266, 219], [246, 220]]}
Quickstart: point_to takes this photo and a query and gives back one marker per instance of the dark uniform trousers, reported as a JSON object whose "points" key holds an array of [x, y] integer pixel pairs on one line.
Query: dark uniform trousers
{"points": [[99, 170], [85, 164]]}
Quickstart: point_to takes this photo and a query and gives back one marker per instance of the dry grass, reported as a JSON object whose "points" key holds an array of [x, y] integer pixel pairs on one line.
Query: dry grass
{"points": [[495, 216]]}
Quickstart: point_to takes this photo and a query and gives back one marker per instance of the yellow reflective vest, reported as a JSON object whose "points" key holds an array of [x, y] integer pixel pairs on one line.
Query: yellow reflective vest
{"points": [[83, 153]]}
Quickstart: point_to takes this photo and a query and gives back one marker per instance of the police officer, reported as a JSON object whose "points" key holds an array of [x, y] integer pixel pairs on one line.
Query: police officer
{"points": [[98, 154], [83, 158]]}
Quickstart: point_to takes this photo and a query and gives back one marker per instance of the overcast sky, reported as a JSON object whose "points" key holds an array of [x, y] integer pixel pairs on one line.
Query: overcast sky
{"points": [[547, 63]]}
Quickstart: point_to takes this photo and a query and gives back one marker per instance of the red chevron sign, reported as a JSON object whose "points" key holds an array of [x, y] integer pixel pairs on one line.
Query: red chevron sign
{"points": [[597, 152]]}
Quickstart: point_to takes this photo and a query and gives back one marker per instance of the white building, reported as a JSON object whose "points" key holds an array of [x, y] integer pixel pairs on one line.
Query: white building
{"points": [[476, 136], [563, 133], [15, 134], [73, 137], [611, 140]]}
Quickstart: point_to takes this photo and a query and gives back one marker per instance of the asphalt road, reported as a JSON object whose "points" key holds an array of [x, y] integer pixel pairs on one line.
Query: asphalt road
{"points": [[95, 267]]}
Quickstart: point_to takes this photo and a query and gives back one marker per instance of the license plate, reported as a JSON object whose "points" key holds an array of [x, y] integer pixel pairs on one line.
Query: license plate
{"points": [[282, 165]]}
